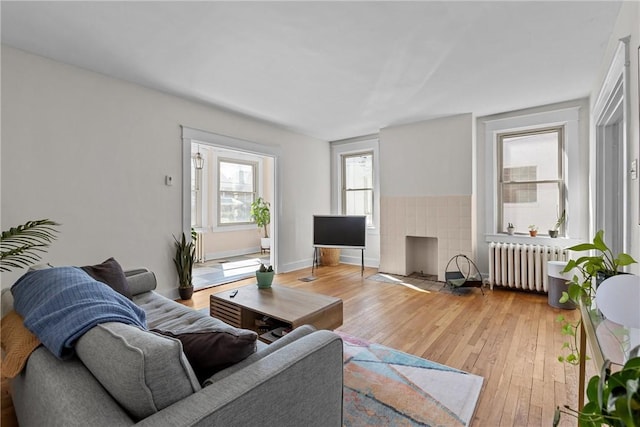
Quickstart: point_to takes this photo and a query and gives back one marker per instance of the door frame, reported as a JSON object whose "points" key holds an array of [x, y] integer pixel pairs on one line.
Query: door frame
{"points": [[191, 135], [610, 115]]}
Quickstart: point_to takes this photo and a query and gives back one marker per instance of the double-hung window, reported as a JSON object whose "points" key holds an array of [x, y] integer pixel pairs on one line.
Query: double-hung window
{"points": [[531, 186], [236, 190], [357, 185]]}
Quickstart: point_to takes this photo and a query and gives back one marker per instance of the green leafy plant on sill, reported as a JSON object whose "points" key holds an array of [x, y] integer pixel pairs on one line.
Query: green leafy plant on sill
{"points": [[21, 246], [561, 219], [261, 214], [590, 267], [612, 399]]}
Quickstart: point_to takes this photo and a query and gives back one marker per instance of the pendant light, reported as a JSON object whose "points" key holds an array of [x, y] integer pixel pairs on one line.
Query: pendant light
{"points": [[198, 160]]}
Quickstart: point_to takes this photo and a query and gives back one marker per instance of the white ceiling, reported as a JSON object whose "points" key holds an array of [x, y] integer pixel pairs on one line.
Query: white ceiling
{"points": [[332, 70]]}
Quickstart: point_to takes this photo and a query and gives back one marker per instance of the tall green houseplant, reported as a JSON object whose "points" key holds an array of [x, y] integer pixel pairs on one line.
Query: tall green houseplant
{"points": [[261, 214], [185, 257]]}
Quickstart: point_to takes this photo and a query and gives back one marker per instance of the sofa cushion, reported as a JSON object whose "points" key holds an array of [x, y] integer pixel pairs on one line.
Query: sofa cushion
{"points": [[110, 273], [144, 372], [210, 351]]}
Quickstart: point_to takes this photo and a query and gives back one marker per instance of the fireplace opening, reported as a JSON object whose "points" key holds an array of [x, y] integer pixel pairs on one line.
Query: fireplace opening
{"points": [[422, 256]]}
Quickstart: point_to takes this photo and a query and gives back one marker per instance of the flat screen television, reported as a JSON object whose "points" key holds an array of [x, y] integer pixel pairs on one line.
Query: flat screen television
{"points": [[339, 231]]}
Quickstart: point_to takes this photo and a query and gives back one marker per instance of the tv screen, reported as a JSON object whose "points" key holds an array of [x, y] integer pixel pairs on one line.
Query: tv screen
{"points": [[339, 230]]}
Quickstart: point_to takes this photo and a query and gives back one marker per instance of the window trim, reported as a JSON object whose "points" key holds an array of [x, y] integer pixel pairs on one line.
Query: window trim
{"points": [[343, 186], [356, 145], [256, 170], [576, 226], [499, 170]]}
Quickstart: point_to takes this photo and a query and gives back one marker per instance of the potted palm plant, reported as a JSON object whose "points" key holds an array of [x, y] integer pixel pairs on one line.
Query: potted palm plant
{"points": [[184, 259], [261, 214], [21, 246]]}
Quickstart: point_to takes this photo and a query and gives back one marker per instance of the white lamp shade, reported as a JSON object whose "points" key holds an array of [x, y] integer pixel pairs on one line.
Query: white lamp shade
{"points": [[618, 298]]}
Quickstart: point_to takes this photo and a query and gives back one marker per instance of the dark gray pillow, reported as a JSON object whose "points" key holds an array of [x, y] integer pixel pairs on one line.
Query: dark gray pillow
{"points": [[110, 273], [210, 351]]}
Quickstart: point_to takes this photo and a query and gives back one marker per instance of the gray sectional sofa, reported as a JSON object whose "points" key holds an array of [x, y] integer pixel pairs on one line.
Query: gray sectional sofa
{"points": [[122, 375]]}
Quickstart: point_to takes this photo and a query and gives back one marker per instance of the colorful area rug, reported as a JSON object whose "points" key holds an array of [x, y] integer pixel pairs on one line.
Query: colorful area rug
{"points": [[386, 387]]}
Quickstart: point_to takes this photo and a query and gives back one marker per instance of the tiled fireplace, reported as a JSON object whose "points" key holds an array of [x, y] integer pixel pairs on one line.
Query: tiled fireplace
{"points": [[445, 220]]}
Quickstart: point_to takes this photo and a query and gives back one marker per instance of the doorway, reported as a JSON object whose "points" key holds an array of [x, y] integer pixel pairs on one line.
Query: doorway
{"points": [[610, 173], [611, 122], [223, 176]]}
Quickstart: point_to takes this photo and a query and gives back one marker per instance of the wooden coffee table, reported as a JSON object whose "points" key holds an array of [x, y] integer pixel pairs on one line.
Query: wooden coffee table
{"points": [[290, 307]]}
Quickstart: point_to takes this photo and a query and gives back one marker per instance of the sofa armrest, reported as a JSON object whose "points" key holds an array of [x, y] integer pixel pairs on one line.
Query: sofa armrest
{"points": [[297, 385], [52, 392]]}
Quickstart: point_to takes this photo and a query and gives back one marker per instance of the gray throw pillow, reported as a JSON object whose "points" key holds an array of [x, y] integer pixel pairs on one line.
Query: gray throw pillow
{"points": [[144, 372]]}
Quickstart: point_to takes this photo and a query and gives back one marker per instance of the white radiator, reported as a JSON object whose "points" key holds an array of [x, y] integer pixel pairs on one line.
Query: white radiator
{"points": [[200, 247], [522, 266]]}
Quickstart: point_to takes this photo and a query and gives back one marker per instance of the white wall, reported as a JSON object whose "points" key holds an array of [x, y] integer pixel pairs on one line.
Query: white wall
{"points": [[426, 187], [628, 24], [91, 152], [428, 158]]}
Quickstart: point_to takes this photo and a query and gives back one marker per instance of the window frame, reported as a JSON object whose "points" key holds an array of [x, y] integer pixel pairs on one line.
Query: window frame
{"points": [[256, 170], [344, 190], [574, 116], [197, 192], [499, 171]]}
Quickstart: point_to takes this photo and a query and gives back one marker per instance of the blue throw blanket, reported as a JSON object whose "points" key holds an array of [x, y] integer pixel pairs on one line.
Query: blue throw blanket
{"points": [[60, 304]]}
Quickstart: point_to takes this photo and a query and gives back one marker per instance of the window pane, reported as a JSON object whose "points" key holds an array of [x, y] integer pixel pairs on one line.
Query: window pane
{"points": [[360, 202], [523, 154], [526, 204], [236, 192], [235, 207], [359, 171], [236, 177]]}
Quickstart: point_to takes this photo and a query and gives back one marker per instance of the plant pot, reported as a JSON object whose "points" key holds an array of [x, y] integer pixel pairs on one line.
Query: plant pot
{"points": [[185, 292], [533, 233], [265, 242], [553, 233], [510, 231], [264, 279]]}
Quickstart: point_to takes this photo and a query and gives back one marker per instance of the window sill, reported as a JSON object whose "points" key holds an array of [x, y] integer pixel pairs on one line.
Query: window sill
{"points": [[526, 239]]}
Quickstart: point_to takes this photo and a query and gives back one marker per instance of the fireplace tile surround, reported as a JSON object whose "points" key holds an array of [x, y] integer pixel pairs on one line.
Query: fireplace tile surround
{"points": [[445, 218]]}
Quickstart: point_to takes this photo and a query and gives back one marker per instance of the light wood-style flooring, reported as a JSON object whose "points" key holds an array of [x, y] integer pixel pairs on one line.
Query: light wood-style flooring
{"points": [[510, 338]]}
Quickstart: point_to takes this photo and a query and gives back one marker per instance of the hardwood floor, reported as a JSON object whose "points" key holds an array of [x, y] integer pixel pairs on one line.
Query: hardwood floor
{"points": [[510, 338]]}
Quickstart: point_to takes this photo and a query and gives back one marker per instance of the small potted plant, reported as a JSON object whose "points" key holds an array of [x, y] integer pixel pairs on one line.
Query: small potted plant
{"points": [[553, 232], [533, 230], [264, 276], [510, 229], [184, 259], [261, 214]]}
